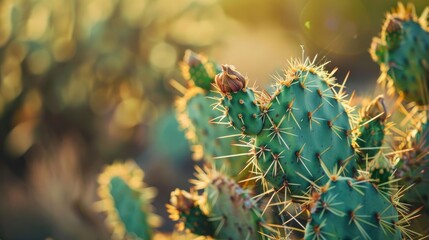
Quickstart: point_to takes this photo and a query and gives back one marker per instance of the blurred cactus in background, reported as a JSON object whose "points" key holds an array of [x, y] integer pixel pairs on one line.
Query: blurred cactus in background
{"points": [[403, 53], [127, 201]]}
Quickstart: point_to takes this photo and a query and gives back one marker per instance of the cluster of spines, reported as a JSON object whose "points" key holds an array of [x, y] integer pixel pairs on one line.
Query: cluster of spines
{"points": [[223, 210], [126, 201]]}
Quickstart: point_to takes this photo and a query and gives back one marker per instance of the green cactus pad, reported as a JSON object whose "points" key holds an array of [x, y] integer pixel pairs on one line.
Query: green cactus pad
{"points": [[305, 122], [349, 209], [199, 69], [243, 111], [403, 53], [126, 201], [211, 137], [231, 212], [372, 128]]}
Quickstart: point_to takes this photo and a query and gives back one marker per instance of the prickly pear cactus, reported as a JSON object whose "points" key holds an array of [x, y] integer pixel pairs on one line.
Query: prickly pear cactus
{"points": [[223, 211], [414, 167], [127, 201], [346, 208], [197, 117], [372, 128], [402, 50], [306, 122]]}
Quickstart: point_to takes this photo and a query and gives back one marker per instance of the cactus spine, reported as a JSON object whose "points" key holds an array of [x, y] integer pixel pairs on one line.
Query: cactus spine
{"points": [[126, 201]]}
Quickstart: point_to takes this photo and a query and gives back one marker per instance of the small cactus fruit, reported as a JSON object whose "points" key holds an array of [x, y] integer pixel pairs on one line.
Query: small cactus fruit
{"points": [[127, 201], [199, 120], [305, 122], [223, 211], [346, 208], [402, 51], [414, 167], [372, 128]]}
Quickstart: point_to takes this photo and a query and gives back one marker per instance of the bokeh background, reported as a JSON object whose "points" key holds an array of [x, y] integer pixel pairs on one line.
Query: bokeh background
{"points": [[84, 83]]}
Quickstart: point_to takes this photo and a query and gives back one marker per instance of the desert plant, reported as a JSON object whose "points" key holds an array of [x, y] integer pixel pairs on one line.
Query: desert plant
{"points": [[402, 50], [223, 210], [127, 201], [213, 142]]}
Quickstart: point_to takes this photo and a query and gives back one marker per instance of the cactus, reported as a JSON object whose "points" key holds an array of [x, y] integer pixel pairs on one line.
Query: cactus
{"points": [[127, 201], [223, 211], [372, 128], [305, 122], [414, 167], [346, 208], [402, 50], [197, 117]]}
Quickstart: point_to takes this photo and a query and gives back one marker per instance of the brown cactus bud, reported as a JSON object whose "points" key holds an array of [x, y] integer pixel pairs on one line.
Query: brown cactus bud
{"points": [[191, 58], [375, 108], [182, 200], [393, 25], [230, 80]]}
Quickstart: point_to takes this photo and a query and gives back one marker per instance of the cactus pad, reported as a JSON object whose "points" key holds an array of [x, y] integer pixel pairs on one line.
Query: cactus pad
{"points": [[372, 128], [127, 201], [305, 122], [403, 53], [208, 134], [223, 210], [346, 208]]}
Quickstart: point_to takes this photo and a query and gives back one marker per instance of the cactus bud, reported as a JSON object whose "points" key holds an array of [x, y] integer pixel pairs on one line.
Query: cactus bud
{"points": [[393, 25], [182, 200], [393, 31], [230, 80], [191, 58], [375, 108]]}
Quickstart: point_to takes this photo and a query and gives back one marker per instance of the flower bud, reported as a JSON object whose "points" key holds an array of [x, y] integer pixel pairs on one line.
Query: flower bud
{"points": [[230, 80], [377, 108], [191, 58]]}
